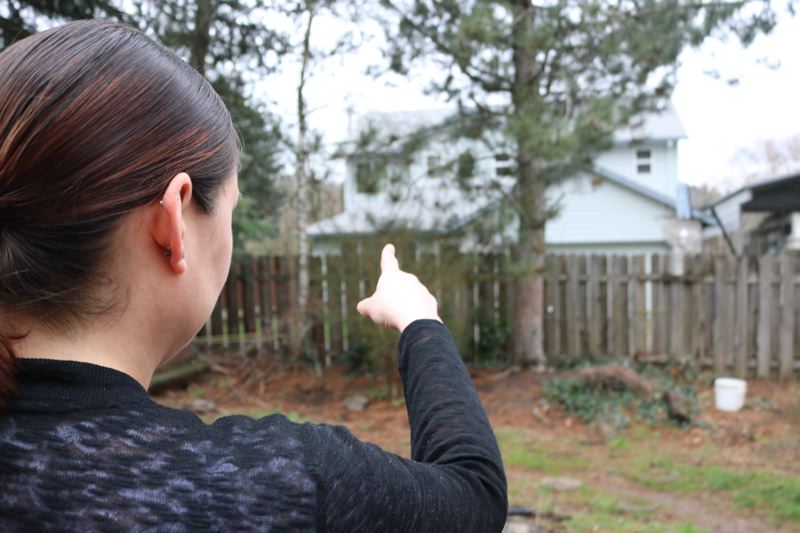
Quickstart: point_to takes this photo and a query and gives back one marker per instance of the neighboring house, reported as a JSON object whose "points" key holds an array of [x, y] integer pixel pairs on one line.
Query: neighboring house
{"points": [[625, 204], [762, 217]]}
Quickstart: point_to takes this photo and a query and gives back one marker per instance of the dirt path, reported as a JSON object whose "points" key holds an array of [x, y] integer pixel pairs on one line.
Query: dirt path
{"points": [[705, 511]]}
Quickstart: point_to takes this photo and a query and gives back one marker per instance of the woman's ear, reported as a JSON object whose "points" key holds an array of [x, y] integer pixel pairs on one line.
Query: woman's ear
{"points": [[169, 226]]}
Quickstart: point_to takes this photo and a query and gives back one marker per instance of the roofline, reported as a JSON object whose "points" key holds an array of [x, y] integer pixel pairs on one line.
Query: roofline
{"points": [[758, 184], [628, 183]]}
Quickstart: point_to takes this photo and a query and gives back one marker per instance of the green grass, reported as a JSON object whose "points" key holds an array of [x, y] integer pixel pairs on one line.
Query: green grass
{"points": [[593, 509], [518, 449], [775, 495]]}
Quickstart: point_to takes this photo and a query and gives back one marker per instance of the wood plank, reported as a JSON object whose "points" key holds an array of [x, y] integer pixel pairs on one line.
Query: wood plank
{"points": [[314, 339], [551, 334], [572, 313], [660, 302], [765, 266], [583, 305], [619, 307], [595, 315], [334, 281], [638, 328], [676, 327], [351, 278], [284, 308], [249, 296], [719, 314], [232, 300], [764, 316], [698, 304], [741, 343], [787, 323], [266, 299]]}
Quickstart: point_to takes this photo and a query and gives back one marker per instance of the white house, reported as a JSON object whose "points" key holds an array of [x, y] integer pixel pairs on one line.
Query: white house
{"points": [[625, 204]]}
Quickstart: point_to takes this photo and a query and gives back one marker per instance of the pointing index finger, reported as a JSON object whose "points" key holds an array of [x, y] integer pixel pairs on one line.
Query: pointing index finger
{"points": [[388, 260]]}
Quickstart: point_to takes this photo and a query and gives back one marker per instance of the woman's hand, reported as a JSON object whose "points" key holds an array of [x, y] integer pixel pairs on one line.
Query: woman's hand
{"points": [[399, 298]]}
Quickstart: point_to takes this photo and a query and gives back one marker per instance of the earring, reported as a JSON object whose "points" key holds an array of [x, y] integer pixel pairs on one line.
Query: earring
{"points": [[168, 252], [161, 203]]}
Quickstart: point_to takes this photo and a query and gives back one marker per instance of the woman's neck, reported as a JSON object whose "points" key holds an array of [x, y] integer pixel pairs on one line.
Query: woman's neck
{"points": [[112, 347]]}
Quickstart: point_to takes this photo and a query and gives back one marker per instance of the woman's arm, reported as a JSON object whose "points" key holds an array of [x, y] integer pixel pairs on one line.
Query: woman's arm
{"points": [[455, 479]]}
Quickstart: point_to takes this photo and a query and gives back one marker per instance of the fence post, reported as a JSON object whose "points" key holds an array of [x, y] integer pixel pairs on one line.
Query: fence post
{"points": [[720, 333], [249, 295], [638, 307], [787, 316], [573, 310], [765, 266], [265, 297], [595, 318], [232, 294], [741, 340], [552, 307], [619, 306]]}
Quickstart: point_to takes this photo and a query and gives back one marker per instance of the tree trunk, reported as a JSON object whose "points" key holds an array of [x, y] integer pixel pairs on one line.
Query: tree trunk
{"points": [[527, 333], [201, 37], [303, 195]]}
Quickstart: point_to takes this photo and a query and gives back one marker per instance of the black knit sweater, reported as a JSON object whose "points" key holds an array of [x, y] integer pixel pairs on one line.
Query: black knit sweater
{"points": [[84, 448]]}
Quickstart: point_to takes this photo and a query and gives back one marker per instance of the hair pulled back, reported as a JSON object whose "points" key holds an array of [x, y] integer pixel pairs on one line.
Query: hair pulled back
{"points": [[95, 119]]}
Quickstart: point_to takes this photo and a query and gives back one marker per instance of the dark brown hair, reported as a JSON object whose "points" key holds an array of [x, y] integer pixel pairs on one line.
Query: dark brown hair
{"points": [[95, 119]]}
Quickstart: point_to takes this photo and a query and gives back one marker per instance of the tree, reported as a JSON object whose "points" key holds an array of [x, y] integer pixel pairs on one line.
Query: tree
{"points": [[21, 18], [768, 158], [307, 144], [221, 39], [216, 37], [555, 79]]}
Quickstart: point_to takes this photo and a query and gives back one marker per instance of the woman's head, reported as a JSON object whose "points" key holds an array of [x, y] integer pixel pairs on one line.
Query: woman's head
{"points": [[97, 121]]}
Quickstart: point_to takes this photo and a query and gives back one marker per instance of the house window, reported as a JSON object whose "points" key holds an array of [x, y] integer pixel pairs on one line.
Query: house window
{"points": [[643, 162], [369, 176], [434, 166], [503, 165]]}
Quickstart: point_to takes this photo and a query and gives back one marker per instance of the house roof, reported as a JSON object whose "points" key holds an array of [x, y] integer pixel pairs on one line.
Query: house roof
{"points": [[777, 194], [392, 126], [661, 126]]}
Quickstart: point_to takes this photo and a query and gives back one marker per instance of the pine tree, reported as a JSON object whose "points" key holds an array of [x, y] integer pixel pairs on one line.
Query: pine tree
{"points": [[556, 79]]}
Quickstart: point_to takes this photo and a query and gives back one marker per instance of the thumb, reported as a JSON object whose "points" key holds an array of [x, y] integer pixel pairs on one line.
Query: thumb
{"points": [[363, 306]]}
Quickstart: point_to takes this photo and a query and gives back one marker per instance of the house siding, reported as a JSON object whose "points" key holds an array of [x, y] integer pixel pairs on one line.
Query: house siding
{"points": [[598, 211]]}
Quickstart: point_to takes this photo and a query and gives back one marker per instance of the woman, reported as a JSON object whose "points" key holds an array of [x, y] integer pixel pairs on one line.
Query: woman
{"points": [[117, 183]]}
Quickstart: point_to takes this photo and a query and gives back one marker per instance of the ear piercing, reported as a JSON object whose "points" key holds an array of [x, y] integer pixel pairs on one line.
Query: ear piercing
{"points": [[168, 252]]}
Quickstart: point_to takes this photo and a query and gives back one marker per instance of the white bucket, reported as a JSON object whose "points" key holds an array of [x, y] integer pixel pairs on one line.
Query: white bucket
{"points": [[729, 393]]}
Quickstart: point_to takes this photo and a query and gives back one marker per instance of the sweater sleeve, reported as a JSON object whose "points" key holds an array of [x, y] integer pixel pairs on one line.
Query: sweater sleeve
{"points": [[455, 479]]}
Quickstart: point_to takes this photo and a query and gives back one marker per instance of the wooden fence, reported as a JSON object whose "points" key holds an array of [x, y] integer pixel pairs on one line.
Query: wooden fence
{"points": [[737, 316]]}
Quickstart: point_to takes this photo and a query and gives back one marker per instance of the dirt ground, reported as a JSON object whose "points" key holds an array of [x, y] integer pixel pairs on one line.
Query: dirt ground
{"points": [[727, 472]]}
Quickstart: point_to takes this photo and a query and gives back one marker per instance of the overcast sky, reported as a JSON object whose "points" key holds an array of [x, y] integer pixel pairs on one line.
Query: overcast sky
{"points": [[720, 118]]}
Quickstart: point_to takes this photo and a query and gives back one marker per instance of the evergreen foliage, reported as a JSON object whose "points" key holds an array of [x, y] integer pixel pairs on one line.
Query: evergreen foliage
{"points": [[554, 79]]}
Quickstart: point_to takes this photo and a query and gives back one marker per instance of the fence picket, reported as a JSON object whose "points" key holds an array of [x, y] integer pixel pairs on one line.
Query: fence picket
{"points": [[765, 266], [735, 314], [787, 322]]}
